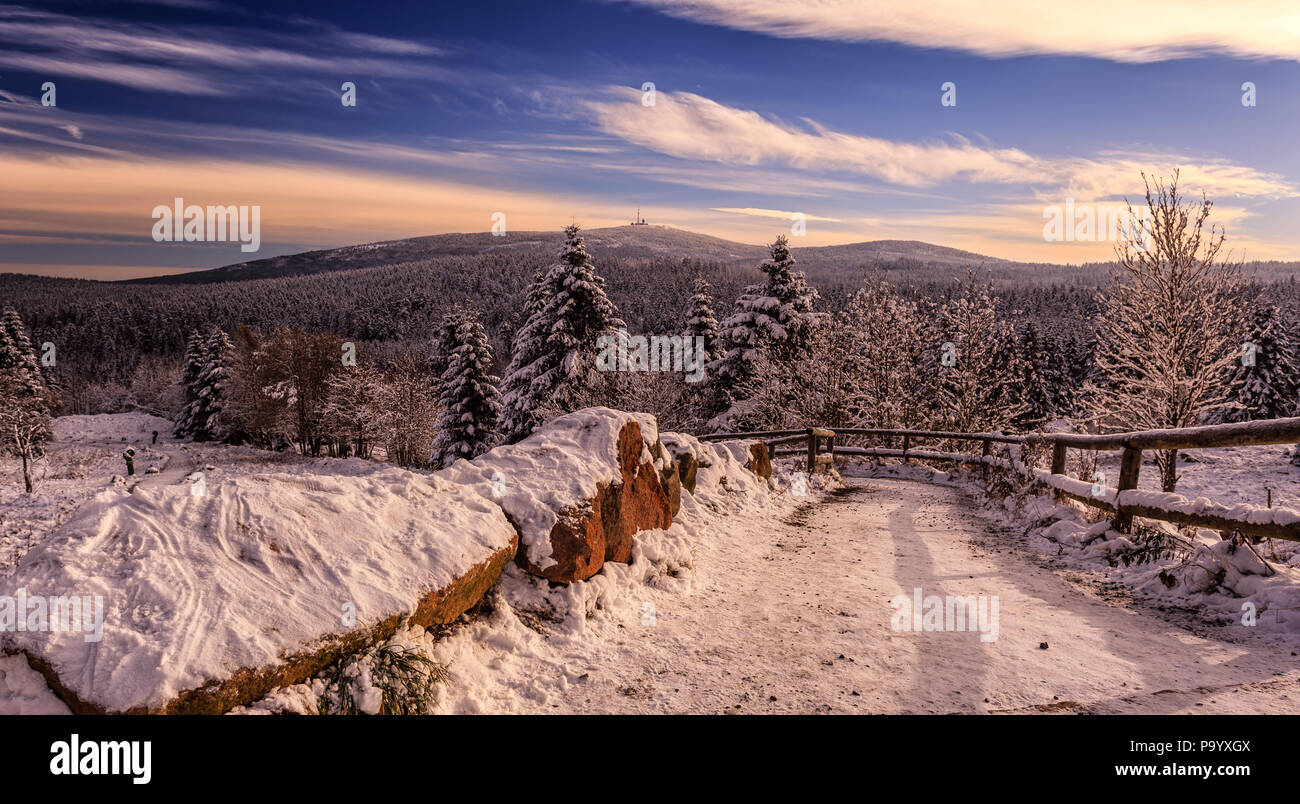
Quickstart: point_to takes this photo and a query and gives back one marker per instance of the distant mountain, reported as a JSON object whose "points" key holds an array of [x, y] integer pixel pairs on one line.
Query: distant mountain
{"points": [[912, 259], [623, 242]]}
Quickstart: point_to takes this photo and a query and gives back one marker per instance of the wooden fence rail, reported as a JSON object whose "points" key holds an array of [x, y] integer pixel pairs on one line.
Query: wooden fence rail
{"points": [[1124, 501]]}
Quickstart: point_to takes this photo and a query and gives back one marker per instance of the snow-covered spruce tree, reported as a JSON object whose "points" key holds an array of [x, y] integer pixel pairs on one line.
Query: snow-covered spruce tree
{"points": [[211, 387], [518, 401], [19, 358], [538, 294], [1266, 377], [467, 427], [980, 391], [1036, 373], [771, 321], [701, 322], [445, 341], [191, 368], [1168, 326], [552, 366]]}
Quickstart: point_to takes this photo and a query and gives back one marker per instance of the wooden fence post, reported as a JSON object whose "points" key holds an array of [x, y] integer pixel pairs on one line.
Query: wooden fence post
{"points": [[1058, 466], [1130, 467], [906, 439], [830, 449], [984, 453], [812, 451]]}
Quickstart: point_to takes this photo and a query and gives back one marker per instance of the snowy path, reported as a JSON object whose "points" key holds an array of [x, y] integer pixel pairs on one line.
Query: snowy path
{"points": [[795, 617]]}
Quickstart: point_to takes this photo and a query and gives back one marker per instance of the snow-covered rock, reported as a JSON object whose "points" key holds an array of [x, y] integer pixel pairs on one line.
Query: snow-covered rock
{"points": [[753, 454], [212, 600], [578, 489], [686, 451]]}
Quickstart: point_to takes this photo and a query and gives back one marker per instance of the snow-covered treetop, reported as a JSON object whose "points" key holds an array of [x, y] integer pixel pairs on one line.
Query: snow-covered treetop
{"points": [[574, 251]]}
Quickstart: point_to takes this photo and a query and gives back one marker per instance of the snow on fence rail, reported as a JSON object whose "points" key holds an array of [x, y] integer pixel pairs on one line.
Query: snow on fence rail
{"points": [[1125, 501]]}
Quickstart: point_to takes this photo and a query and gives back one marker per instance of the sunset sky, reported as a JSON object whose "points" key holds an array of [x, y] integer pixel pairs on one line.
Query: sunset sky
{"points": [[534, 109]]}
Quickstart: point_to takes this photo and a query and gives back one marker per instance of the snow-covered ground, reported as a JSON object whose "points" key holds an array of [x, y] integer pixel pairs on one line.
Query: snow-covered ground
{"points": [[1229, 475], [1226, 476], [787, 606], [85, 456], [755, 601]]}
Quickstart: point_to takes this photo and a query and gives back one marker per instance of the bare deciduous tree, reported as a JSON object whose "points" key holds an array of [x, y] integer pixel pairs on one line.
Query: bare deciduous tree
{"points": [[1169, 325], [24, 425], [414, 421]]}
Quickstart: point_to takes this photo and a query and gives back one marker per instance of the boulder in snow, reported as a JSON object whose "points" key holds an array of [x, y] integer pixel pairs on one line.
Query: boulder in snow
{"points": [[760, 462], [752, 454], [578, 490], [684, 450]]}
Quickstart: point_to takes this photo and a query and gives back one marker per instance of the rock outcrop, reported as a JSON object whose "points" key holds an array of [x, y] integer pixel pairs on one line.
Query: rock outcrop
{"points": [[760, 462], [578, 490], [686, 452]]}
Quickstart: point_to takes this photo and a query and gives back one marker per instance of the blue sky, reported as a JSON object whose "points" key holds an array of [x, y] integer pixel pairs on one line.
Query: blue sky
{"points": [[762, 109]]}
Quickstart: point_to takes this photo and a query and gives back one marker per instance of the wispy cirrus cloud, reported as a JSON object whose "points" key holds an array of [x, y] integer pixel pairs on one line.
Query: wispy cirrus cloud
{"points": [[1118, 30], [199, 60], [688, 126], [781, 214], [135, 76]]}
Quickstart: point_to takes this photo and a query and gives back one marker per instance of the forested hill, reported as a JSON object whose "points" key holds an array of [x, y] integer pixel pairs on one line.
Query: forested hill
{"points": [[620, 242], [392, 295]]}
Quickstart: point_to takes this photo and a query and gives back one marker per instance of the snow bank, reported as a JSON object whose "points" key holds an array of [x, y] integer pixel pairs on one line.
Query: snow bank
{"points": [[1231, 583], [723, 478], [239, 598], [261, 571]]}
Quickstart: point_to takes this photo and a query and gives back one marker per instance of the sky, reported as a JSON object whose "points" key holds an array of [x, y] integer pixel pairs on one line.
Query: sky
{"points": [[540, 113]]}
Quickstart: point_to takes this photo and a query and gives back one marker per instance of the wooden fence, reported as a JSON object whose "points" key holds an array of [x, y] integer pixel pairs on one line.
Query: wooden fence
{"points": [[1124, 501]]}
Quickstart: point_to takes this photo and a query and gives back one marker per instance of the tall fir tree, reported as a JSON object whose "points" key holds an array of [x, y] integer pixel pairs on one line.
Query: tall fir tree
{"points": [[554, 351], [191, 368], [19, 358], [467, 427], [214, 383], [445, 342], [771, 321], [701, 322], [1266, 379], [201, 419], [1034, 385]]}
